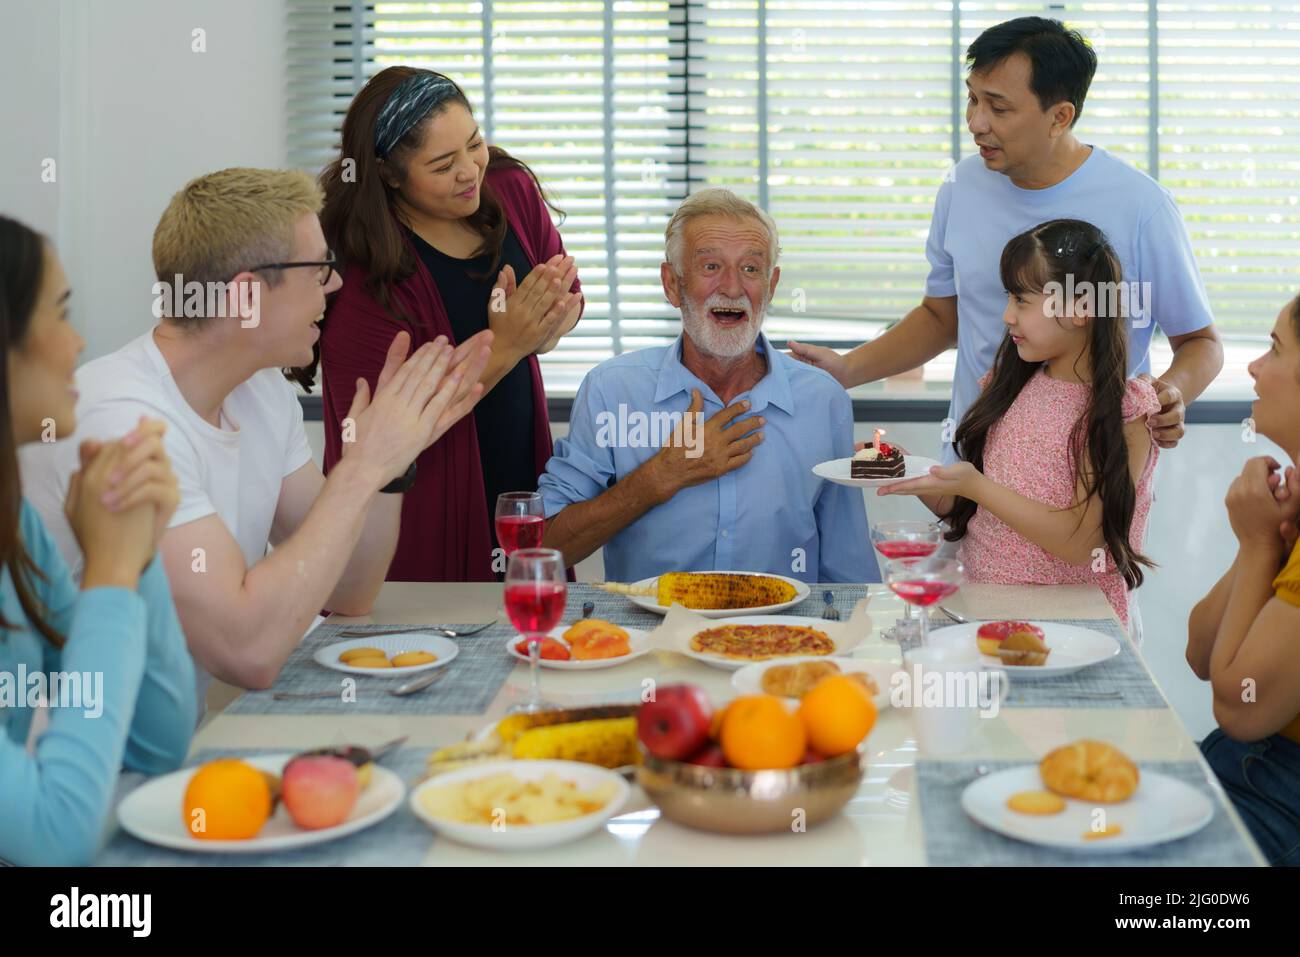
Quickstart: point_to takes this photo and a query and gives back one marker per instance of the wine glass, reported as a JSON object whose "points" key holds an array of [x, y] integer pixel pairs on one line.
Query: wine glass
{"points": [[519, 520], [534, 594], [924, 582], [906, 539]]}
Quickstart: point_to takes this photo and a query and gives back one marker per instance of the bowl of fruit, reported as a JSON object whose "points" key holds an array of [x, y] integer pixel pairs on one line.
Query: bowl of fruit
{"points": [[757, 765]]}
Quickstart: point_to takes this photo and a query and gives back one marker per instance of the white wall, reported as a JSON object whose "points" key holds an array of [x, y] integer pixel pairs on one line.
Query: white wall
{"points": [[116, 94]]}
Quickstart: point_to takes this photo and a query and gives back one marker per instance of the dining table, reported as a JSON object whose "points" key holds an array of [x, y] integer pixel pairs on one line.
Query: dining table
{"points": [[906, 811]]}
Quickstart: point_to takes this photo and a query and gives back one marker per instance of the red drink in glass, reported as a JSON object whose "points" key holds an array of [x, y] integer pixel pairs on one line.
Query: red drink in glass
{"points": [[904, 549], [923, 593], [519, 531], [535, 607]]}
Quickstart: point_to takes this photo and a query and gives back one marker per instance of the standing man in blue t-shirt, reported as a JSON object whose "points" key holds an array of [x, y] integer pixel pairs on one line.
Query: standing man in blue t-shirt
{"points": [[1028, 79]]}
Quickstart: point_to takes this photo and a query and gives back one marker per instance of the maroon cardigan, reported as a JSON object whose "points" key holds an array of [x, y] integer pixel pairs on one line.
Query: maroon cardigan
{"points": [[445, 533]]}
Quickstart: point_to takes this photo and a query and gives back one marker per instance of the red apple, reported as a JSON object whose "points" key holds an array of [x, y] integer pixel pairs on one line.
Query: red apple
{"points": [[319, 790], [710, 756], [676, 723]]}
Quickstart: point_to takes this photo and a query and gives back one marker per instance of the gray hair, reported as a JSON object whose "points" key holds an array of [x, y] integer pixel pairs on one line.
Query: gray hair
{"points": [[715, 202]]}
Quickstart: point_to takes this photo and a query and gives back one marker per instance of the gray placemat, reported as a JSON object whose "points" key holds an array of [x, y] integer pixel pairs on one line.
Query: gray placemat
{"points": [[400, 840], [610, 607], [1125, 673], [953, 839], [468, 686]]}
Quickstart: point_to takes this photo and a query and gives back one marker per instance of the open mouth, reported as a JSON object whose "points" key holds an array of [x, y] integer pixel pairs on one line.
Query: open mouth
{"points": [[729, 317], [986, 151]]}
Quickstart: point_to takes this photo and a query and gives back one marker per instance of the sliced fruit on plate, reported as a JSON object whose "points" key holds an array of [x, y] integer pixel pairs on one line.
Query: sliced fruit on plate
{"points": [[550, 649], [597, 644]]}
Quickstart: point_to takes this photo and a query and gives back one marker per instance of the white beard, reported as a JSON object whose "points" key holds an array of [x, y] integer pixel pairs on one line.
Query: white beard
{"points": [[715, 341]]}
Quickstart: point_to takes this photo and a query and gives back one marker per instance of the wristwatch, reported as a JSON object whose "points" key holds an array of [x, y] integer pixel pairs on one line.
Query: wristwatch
{"points": [[402, 483]]}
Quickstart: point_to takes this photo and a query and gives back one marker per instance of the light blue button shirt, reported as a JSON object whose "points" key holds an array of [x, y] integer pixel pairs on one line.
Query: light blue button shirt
{"points": [[770, 515]]}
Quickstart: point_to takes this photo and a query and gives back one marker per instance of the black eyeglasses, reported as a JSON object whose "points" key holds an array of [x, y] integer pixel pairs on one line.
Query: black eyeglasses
{"points": [[326, 267]]}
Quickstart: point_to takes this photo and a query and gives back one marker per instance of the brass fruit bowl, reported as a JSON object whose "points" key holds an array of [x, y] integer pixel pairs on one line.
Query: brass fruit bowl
{"points": [[750, 802]]}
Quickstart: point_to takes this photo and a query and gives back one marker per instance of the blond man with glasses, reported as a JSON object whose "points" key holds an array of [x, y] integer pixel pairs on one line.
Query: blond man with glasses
{"points": [[243, 273]]}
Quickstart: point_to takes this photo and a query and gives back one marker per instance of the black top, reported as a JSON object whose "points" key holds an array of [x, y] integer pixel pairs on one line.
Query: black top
{"points": [[504, 417]]}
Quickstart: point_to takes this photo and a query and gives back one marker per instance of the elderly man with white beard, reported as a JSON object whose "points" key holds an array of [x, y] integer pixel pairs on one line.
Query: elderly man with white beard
{"points": [[698, 456]]}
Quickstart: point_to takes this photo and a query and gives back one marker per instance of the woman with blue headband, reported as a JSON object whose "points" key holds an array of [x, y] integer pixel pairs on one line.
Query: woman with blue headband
{"points": [[441, 234]]}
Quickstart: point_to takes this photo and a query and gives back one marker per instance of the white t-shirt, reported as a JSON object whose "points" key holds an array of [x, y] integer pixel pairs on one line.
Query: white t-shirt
{"points": [[233, 472]]}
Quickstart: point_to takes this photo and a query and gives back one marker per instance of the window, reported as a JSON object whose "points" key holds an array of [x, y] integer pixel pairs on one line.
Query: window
{"points": [[838, 117]]}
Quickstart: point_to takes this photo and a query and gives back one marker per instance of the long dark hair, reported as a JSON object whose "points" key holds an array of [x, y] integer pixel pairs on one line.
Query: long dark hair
{"points": [[1046, 254], [22, 270], [357, 218]]}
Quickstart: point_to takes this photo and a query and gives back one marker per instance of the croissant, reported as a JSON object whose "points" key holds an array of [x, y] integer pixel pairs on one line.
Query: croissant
{"points": [[1090, 771]]}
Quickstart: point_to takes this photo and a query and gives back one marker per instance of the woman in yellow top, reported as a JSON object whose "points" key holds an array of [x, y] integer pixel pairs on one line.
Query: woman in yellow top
{"points": [[1244, 636]]}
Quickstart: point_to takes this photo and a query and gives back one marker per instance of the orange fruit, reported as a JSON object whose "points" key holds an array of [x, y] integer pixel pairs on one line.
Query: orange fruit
{"points": [[227, 800], [837, 715], [759, 733]]}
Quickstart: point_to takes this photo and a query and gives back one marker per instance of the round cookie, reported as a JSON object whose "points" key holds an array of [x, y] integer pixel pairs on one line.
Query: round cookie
{"points": [[353, 653], [408, 659], [1036, 802], [370, 662]]}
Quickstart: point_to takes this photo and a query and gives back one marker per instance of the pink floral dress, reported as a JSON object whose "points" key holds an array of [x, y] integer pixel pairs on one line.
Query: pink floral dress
{"points": [[1027, 451]]}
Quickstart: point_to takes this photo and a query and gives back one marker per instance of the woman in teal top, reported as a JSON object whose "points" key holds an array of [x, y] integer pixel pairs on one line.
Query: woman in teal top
{"points": [[109, 653]]}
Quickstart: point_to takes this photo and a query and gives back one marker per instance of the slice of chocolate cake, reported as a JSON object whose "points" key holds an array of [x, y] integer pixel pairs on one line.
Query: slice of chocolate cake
{"points": [[877, 463]]}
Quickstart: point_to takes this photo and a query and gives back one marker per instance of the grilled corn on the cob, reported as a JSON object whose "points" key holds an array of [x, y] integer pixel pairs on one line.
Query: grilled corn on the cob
{"points": [[609, 742], [711, 591], [694, 590]]}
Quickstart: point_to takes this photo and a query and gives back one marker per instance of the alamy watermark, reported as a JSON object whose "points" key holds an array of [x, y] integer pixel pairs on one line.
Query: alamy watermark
{"points": [[57, 689], [1106, 299], [635, 429], [916, 686], [203, 300]]}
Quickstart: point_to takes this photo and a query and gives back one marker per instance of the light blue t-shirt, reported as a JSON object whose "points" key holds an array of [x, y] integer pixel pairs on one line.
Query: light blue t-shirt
{"points": [[978, 211], [770, 515]]}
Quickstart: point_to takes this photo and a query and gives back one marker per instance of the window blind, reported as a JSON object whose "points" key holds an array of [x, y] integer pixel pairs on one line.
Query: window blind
{"points": [[840, 117]]}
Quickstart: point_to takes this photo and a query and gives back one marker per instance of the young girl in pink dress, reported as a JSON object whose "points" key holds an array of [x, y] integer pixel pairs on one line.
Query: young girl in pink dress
{"points": [[1054, 486]]}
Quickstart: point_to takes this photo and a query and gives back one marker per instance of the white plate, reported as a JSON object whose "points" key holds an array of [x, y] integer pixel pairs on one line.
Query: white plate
{"points": [[729, 664], [840, 472], [1073, 648], [1161, 809], [525, 836], [749, 679], [390, 645], [154, 812], [638, 641], [801, 591]]}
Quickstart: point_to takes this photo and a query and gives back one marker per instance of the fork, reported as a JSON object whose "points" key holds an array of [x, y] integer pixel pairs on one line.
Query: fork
{"points": [[829, 613], [445, 632]]}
